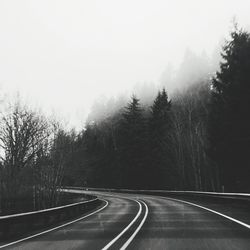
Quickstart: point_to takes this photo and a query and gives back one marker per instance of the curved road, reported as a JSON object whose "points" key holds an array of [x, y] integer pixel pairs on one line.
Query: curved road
{"points": [[144, 222]]}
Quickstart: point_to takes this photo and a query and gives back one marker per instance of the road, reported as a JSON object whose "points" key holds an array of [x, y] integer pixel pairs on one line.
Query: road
{"points": [[144, 222]]}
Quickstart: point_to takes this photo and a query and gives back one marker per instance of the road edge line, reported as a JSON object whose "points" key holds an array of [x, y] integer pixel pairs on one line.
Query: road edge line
{"points": [[211, 210], [54, 228]]}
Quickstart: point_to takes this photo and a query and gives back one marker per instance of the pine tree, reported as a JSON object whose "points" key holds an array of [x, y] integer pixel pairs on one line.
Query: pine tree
{"points": [[160, 124], [133, 145], [160, 111], [230, 123], [133, 113]]}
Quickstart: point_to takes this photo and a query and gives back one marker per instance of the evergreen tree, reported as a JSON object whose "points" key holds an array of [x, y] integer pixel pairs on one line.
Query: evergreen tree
{"points": [[160, 123], [160, 111], [230, 123], [133, 143]]}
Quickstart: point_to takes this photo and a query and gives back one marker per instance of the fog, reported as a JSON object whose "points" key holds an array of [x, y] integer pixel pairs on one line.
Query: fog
{"points": [[69, 56]]}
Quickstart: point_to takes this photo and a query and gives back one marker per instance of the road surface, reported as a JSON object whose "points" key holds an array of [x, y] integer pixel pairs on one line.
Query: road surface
{"points": [[144, 222]]}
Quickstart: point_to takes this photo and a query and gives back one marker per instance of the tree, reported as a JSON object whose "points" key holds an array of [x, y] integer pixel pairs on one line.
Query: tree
{"points": [[59, 157], [190, 140], [100, 151], [230, 109], [35, 153], [133, 149], [162, 173], [22, 135]]}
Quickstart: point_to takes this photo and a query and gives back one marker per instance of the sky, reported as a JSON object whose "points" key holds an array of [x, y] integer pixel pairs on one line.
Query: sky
{"points": [[63, 54]]}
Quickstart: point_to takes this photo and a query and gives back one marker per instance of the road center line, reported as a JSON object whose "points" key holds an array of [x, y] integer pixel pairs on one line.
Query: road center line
{"points": [[126, 228], [54, 228], [137, 229], [210, 210]]}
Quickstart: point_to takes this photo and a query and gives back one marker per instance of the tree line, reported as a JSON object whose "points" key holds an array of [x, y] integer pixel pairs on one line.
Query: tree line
{"points": [[198, 140], [160, 147]]}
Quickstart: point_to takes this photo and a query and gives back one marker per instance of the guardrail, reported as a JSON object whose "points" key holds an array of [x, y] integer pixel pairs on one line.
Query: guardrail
{"points": [[206, 196], [246, 195], [15, 225]]}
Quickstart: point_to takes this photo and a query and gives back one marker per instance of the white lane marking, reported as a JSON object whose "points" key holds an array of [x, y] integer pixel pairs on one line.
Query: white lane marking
{"points": [[137, 229], [126, 228], [45, 210], [54, 228], [210, 210]]}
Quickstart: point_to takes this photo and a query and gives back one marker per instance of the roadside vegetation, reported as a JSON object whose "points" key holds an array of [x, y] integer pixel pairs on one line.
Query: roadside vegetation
{"points": [[197, 140]]}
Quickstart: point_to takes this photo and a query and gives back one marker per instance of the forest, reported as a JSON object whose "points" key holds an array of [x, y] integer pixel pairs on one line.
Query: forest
{"points": [[199, 139]]}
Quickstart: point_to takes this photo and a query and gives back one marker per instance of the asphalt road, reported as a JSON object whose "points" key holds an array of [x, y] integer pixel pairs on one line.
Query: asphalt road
{"points": [[145, 222]]}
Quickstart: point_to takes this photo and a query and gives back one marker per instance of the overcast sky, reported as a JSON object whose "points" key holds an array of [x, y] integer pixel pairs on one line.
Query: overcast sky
{"points": [[64, 54]]}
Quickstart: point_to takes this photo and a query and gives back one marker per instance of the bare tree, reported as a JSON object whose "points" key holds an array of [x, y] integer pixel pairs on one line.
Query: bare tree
{"points": [[50, 166], [190, 139], [22, 135]]}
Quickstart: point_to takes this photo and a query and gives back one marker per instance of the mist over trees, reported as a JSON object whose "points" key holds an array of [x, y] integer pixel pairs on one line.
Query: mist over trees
{"points": [[162, 147], [193, 138]]}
